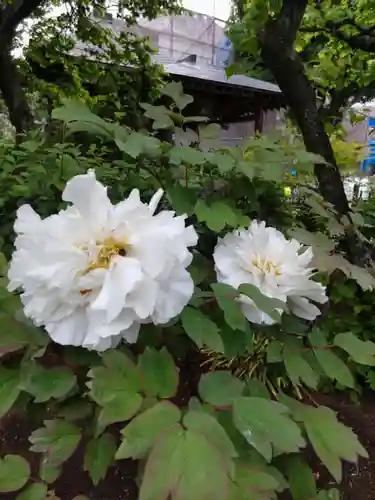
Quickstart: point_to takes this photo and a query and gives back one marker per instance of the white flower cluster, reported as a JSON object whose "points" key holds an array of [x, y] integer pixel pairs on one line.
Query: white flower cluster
{"points": [[93, 273]]}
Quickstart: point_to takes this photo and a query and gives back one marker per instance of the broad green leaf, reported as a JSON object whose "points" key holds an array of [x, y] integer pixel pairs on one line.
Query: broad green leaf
{"points": [[334, 367], [186, 155], [140, 434], [298, 369], [291, 324], [236, 342], [182, 199], [123, 407], [99, 455], [252, 483], [160, 377], [9, 390], [331, 440], [14, 334], [182, 464], [201, 329], [220, 388], [301, 478], [362, 352], [36, 491], [206, 424], [48, 472], [226, 299], [14, 473], [275, 352], [160, 114], [217, 215], [266, 304], [176, 92], [116, 388], [76, 409], [319, 240], [266, 425], [79, 118], [136, 144], [58, 439], [45, 384]]}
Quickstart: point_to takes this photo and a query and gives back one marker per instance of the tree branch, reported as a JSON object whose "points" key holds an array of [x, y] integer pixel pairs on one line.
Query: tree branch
{"points": [[278, 52], [11, 15]]}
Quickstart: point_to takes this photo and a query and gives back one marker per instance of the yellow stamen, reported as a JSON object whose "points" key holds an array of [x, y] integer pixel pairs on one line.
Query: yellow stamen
{"points": [[266, 266], [108, 249]]}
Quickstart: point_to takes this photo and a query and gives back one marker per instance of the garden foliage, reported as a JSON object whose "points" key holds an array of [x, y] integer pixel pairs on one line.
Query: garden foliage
{"points": [[235, 435]]}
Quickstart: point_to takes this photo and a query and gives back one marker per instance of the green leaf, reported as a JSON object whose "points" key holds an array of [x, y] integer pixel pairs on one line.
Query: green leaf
{"points": [[176, 92], [182, 199], [266, 425], [36, 491], [140, 434], [48, 472], [116, 388], [160, 377], [201, 329], [301, 478], [186, 155], [291, 324], [183, 464], [362, 352], [206, 424], [252, 483], [226, 299], [9, 390], [45, 384], [137, 144], [79, 118], [266, 304], [217, 215], [58, 439], [98, 456], [331, 440], [298, 369], [121, 408], [220, 388], [275, 352], [14, 334], [334, 367], [14, 473]]}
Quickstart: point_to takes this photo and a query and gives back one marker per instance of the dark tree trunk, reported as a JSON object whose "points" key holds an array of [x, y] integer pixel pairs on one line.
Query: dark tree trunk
{"points": [[11, 89], [277, 40], [12, 13]]}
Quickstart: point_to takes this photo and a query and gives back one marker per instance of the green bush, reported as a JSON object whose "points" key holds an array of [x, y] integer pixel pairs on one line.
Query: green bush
{"points": [[236, 429]]}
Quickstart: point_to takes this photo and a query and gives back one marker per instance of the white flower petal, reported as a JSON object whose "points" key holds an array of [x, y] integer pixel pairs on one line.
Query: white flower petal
{"points": [[121, 278], [155, 200], [303, 308]]}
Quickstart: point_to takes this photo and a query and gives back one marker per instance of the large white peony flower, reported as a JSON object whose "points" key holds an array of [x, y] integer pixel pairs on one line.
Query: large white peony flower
{"points": [[94, 272], [263, 257]]}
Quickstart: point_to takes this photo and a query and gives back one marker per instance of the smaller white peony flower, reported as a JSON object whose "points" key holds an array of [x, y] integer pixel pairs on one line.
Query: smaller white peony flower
{"points": [[94, 272], [263, 257]]}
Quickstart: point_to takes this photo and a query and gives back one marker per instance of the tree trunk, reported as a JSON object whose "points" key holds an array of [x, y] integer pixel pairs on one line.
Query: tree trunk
{"points": [[277, 50], [11, 89]]}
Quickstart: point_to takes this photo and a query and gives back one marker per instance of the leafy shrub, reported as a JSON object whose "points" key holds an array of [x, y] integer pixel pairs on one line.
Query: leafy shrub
{"points": [[232, 429]]}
